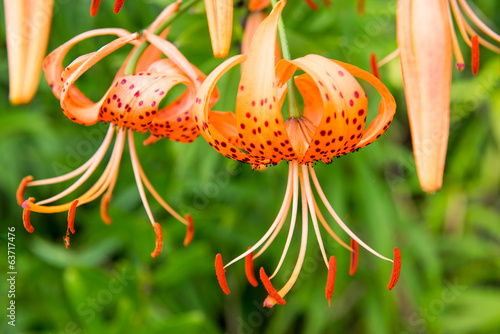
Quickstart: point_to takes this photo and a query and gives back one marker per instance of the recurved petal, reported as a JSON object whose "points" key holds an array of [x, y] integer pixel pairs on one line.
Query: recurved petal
{"points": [[28, 27], [201, 113], [220, 25], [258, 114], [425, 45], [258, 4], [133, 100], [76, 106], [343, 106], [53, 63]]}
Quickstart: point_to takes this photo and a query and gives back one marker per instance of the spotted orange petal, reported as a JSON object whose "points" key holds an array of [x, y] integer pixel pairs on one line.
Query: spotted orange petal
{"points": [[133, 100], [258, 114], [53, 63], [78, 110], [344, 106]]}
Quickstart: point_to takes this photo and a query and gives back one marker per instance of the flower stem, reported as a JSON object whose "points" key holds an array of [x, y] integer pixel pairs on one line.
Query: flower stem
{"points": [[293, 98], [132, 63]]}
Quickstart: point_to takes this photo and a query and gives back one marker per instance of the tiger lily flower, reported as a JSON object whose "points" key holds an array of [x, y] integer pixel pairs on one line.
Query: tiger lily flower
{"points": [[427, 39], [130, 105], [332, 124], [27, 25], [94, 6], [220, 25]]}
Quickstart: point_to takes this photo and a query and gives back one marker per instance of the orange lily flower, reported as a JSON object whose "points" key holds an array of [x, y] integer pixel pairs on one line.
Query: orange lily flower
{"points": [[130, 104], [94, 6], [426, 39], [220, 25], [27, 25], [333, 124]]}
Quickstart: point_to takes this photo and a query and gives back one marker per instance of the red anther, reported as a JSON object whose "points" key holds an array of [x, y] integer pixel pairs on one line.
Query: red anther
{"points": [[249, 269], [220, 272], [22, 188], [26, 214], [396, 268], [118, 6], [270, 288], [71, 216], [354, 257], [94, 6], [312, 4], [189, 229], [374, 65], [104, 209], [159, 240], [475, 54], [361, 7], [330, 283]]}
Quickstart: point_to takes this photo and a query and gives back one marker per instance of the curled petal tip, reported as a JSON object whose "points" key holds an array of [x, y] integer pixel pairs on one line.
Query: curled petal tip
{"points": [[159, 240], [189, 229], [221, 274], [396, 268]]}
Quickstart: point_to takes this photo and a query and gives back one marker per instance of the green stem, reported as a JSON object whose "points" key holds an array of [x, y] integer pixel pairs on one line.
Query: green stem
{"points": [[292, 92], [132, 63]]}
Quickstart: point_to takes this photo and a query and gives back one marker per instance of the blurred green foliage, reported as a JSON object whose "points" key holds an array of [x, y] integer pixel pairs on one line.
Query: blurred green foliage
{"points": [[106, 282]]}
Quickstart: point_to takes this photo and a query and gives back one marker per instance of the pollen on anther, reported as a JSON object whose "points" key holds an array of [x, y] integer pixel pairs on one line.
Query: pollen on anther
{"points": [[189, 229], [396, 268], [475, 54], [71, 216], [354, 257], [249, 271], [220, 272], [159, 240], [330, 283], [26, 214], [270, 288]]}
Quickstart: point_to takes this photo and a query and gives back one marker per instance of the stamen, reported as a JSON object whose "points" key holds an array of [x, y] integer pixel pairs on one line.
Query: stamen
{"points": [[22, 188], [337, 218], [312, 4], [460, 21], [94, 7], [456, 47], [310, 200], [71, 216], [477, 21], [26, 214], [159, 240], [189, 229], [220, 272], [270, 288], [374, 66], [249, 269], [106, 198], [396, 268], [475, 54], [295, 170], [118, 6], [360, 7], [330, 283], [354, 257], [388, 58]]}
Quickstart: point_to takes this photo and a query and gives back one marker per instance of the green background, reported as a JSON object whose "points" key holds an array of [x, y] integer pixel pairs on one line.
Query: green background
{"points": [[106, 282]]}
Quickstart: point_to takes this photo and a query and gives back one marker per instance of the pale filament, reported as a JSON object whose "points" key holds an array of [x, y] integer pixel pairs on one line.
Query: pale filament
{"points": [[310, 201], [339, 221], [295, 171], [482, 41], [456, 47], [460, 21], [283, 211], [95, 161], [475, 19], [388, 58], [77, 171]]}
